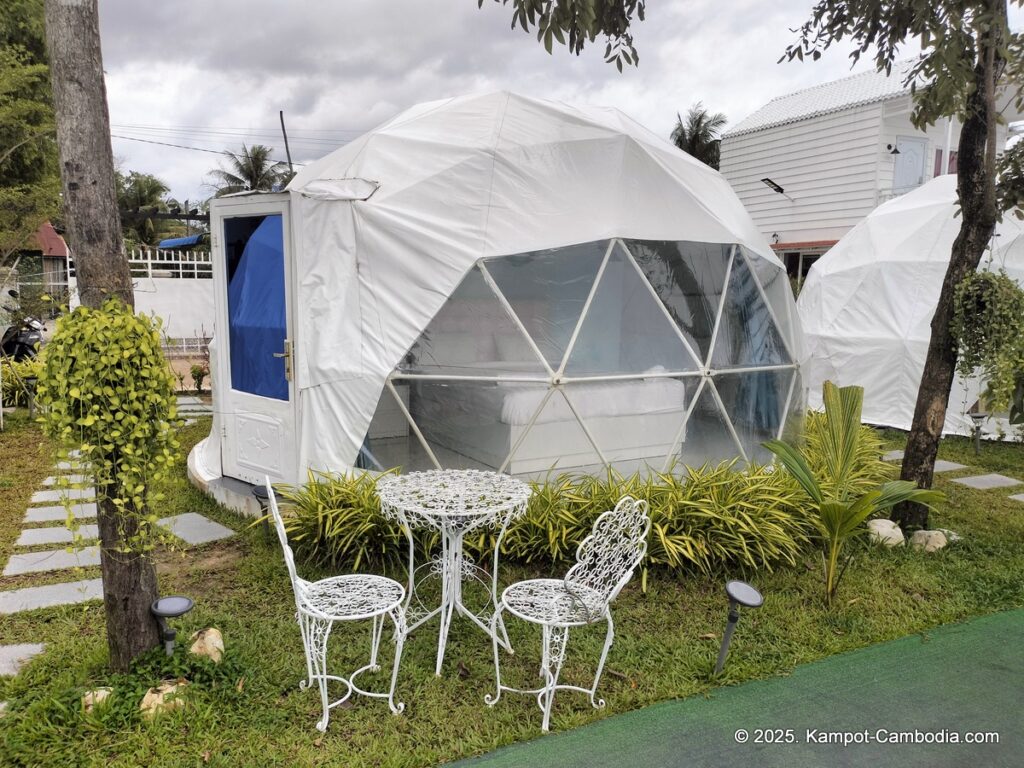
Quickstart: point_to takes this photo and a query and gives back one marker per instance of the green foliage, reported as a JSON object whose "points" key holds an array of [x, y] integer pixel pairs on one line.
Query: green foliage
{"points": [[699, 135], [139, 196], [12, 379], [252, 169], [866, 469], [574, 23], [715, 517], [838, 498], [107, 392], [199, 371], [988, 324]]}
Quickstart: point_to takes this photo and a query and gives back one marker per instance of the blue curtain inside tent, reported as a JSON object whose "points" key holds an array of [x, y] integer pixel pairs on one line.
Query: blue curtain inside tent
{"points": [[256, 314]]}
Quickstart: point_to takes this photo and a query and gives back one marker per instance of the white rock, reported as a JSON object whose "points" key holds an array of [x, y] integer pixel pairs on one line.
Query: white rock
{"points": [[166, 696], [951, 536], [208, 642], [929, 541], [95, 697], [885, 532]]}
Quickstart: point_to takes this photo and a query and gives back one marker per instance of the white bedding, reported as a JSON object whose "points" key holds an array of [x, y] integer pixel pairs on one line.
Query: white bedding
{"points": [[516, 403]]}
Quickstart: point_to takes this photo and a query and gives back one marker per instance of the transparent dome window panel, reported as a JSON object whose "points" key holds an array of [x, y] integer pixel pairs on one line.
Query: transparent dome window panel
{"points": [[548, 290], [775, 282], [474, 335], [756, 403], [546, 435], [625, 328], [793, 427], [637, 423], [747, 334], [706, 437], [689, 279]]}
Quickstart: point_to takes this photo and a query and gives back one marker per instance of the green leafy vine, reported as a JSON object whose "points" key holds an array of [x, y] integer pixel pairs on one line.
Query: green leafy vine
{"points": [[107, 397]]}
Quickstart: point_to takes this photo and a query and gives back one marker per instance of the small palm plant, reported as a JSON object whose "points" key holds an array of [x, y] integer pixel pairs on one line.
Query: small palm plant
{"points": [[841, 505]]}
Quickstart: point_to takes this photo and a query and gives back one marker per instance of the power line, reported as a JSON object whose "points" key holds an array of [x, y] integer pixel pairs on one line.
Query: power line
{"points": [[214, 128], [202, 135], [182, 146]]}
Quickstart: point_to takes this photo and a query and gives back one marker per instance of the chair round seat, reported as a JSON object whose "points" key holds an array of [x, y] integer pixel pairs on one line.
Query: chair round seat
{"points": [[548, 601], [353, 596]]}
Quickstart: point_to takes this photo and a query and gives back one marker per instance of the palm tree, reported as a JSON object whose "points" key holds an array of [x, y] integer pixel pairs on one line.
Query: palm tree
{"points": [[699, 134], [139, 195], [249, 170]]}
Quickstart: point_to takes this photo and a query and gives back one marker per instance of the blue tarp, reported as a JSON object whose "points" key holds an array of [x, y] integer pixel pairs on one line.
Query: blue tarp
{"points": [[181, 242], [256, 314]]}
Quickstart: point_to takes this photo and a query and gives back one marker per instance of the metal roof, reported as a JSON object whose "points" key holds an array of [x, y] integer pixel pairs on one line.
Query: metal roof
{"points": [[852, 91]]}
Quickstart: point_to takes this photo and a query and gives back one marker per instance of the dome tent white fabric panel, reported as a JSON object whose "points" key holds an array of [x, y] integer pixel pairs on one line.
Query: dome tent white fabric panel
{"points": [[867, 305], [388, 226]]}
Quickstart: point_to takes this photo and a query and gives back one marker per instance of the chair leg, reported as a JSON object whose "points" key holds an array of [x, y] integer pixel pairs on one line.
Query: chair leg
{"points": [[555, 639], [609, 636], [304, 630], [319, 632], [375, 633], [495, 619], [398, 618]]}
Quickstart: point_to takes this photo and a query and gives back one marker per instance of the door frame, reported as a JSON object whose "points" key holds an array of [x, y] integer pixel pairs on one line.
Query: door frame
{"points": [[924, 144], [230, 402]]}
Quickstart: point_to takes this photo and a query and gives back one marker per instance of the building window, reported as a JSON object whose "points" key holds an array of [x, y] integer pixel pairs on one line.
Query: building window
{"points": [[950, 164]]}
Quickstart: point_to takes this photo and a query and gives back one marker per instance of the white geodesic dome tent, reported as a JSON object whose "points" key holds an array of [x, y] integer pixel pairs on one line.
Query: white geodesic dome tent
{"points": [[497, 282], [867, 305]]}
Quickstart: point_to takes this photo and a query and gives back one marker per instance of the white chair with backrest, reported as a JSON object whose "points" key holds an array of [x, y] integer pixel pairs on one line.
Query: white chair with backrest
{"points": [[353, 597], [605, 562]]}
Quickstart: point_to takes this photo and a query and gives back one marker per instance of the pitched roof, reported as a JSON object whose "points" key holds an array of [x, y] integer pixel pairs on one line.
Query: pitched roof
{"points": [[49, 242], [852, 91]]}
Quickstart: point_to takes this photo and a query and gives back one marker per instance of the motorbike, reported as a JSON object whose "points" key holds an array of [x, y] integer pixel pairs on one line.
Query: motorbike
{"points": [[21, 340]]}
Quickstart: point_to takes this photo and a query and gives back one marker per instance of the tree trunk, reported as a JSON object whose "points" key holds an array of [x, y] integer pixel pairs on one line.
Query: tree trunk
{"points": [[94, 234], [977, 195]]}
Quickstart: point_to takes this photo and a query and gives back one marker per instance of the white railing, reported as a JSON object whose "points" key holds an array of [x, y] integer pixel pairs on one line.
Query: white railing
{"points": [[187, 347], [153, 262]]}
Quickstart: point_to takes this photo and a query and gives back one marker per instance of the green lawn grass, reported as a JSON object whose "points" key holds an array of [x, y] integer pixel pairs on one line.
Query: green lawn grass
{"points": [[250, 710]]}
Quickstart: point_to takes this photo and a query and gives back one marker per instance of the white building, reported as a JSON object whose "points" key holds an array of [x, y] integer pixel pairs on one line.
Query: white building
{"points": [[832, 154]]}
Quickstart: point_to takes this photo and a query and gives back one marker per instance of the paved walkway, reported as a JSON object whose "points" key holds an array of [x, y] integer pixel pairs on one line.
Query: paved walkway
{"points": [[956, 679]]}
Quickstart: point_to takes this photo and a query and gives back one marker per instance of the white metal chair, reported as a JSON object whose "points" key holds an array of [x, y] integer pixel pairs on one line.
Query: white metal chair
{"points": [[605, 562], [352, 597]]}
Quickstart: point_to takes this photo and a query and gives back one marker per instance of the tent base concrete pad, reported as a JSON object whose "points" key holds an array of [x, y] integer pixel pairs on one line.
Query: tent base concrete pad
{"points": [[954, 679], [987, 482], [893, 456], [51, 560], [193, 528], [60, 514], [33, 537], [13, 657], [31, 598]]}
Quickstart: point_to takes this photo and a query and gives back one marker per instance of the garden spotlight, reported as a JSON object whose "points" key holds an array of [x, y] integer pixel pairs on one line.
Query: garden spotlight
{"points": [[740, 593], [170, 608]]}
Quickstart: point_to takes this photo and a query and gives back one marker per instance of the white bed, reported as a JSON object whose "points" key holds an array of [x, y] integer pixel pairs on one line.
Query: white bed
{"points": [[629, 420]]}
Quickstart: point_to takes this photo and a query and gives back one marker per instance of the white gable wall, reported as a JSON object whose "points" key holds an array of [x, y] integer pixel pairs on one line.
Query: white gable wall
{"points": [[828, 164]]}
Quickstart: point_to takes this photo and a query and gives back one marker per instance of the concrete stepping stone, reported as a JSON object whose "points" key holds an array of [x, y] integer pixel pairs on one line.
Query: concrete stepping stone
{"points": [[893, 456], [189, 400], [1018, 497], [14, 657], [51, 560], [60, 514], [32, 598], [59, 494], [3, 708], [33, 537], [52, 480], [948, 466], [67, 466], [987, 482], [193, 528]]}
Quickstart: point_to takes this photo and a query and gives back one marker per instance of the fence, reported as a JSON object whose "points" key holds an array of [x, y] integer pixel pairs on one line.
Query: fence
{"points": [[196, 346], [151, 263]]}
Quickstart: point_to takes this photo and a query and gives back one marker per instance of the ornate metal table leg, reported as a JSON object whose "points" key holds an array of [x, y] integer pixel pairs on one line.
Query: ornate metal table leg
{"points": [[398, 619]]}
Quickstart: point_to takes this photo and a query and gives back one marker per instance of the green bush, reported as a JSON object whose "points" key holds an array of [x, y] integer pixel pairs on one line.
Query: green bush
{"points": [[714, 517], [12, 379]]}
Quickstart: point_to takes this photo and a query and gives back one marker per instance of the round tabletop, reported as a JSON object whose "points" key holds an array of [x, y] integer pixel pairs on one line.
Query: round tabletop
{"points": [[453, 493]]}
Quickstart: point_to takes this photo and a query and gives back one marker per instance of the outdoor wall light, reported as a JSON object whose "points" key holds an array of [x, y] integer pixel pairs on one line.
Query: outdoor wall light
{"points": [[740, 593], [893, 150], [170, 607]]}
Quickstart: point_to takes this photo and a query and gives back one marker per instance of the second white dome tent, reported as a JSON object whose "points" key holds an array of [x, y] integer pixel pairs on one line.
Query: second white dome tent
{"points": [[508, 283]]}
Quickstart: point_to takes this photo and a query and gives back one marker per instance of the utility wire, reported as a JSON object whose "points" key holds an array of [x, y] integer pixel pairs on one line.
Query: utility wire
{"points": [[220, 152]]}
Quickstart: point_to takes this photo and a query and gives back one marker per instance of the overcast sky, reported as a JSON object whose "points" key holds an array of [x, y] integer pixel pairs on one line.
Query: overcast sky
{"points": [[214, 73]]}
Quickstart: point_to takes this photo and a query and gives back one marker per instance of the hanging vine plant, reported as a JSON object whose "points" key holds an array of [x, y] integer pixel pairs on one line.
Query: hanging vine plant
{"points": [[988, 325]]}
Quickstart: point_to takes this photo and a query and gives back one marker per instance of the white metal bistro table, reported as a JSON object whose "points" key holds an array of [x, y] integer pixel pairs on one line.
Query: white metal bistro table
{"points": [[453, 502]]}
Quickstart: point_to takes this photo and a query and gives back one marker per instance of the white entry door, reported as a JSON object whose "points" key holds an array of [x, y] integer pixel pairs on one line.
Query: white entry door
{"points": [[252, 266], [909, 169]]}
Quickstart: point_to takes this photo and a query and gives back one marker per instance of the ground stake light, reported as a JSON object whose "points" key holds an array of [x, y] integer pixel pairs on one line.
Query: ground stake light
{"points": [[261, 495], [978, 419], [170, 607], [740, 593]]}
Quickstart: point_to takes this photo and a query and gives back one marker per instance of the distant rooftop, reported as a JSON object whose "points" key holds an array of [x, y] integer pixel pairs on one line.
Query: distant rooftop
{"points": [[852, 91]]}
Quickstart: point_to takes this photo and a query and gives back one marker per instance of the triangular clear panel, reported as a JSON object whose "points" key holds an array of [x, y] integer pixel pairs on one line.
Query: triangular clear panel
{"points": [[775, 281], [756, 404], [554, 442], [548, 290], [688, 278], [625, 329], [473, 334], [747, 333], [706, 438]]}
